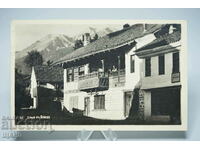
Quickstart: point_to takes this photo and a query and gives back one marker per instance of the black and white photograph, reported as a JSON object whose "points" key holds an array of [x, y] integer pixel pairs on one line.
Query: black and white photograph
{"points": [[100, 74]]}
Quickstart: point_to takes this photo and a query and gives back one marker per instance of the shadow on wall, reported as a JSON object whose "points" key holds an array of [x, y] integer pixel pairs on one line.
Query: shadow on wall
{"points": [[133, 113]]}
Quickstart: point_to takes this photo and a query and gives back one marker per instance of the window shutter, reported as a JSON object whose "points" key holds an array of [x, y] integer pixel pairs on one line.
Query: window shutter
{"points": [[161, 63]]}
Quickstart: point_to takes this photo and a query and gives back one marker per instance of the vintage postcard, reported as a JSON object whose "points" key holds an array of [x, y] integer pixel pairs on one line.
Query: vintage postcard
{"points": [[99, 75]]}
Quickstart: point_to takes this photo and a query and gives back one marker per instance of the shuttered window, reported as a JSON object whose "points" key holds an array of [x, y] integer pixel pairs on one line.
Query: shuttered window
{"points": [[175, 62], [161, 64], [147, 66], [81, 70], [70, 75], [76, 74], [99, 102], [132, 65]]}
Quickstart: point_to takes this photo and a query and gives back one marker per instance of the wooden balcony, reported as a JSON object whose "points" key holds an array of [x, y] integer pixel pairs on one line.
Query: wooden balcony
{"points": [[93, 82], [117, 79]]}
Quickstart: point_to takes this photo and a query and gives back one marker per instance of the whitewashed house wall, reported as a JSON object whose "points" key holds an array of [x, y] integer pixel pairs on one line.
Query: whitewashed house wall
{"points": [[114, 97], [156, 80]]}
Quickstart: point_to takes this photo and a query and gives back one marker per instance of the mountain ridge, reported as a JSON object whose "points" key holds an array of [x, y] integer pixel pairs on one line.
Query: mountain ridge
{"points": [[53, 47]]}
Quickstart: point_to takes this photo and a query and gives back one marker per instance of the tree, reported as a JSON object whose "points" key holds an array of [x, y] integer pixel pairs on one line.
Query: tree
{"points": [[49, 62], [95, 37], [126, 26], [22, 97], [34, 58], [78, 44]]}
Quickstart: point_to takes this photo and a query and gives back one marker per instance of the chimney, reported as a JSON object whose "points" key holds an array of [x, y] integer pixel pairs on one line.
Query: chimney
{"points": [[171, 29], [86, 39]]}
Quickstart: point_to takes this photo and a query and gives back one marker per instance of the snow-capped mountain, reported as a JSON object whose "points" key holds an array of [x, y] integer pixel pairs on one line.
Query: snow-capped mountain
{"points": [[51, 42], [54, 46], [55, 42], [92, 31], [100, 33]]}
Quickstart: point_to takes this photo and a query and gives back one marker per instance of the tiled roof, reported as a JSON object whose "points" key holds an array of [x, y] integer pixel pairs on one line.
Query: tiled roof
{"points": [[49, 74], [111, 41], [162, 40]]}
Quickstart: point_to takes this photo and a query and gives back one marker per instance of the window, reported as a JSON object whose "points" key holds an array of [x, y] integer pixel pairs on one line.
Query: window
{"points": [[70, 75], [99, 102], [175, 63], [75, 74], [161, 64], [147, 67], [81, 70], [132, 63]]}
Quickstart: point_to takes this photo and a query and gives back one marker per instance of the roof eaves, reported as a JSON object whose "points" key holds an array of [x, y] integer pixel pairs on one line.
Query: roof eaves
{"points": [[110, 48], [151, 51], [95, 52]]}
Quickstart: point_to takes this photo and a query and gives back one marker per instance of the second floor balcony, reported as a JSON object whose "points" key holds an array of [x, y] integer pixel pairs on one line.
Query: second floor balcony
{"points": [[93, 81], [97, 81], [98, 73]]}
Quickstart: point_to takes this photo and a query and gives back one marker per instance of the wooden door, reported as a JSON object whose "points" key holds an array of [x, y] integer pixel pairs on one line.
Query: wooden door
{"points": [[87, 105], [128, 96]]}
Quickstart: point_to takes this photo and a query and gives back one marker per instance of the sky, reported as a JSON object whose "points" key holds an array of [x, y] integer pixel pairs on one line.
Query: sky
{"points": [[27, 34]]}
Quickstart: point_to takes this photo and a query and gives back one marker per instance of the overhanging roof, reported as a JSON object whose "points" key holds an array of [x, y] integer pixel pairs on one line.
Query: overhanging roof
{"points": [[111, 41], [162, 41], [49, 74]]}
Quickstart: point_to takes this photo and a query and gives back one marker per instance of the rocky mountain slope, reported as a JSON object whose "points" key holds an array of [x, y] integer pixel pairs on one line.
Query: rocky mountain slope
{"points": [[53, 47]]}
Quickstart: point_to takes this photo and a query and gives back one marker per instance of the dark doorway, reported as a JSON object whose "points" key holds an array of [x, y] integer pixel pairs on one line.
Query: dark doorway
{"points": [[166, 101]]}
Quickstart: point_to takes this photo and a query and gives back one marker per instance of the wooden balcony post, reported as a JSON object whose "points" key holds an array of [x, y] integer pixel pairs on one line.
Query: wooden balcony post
{"points": [[86, 68], [65, 75], [103, 65], [119, 64]]}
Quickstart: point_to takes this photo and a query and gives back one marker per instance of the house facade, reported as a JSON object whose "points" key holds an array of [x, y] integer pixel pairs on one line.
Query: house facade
{"points": [[160, 92], [100, 77], [44, 79]]}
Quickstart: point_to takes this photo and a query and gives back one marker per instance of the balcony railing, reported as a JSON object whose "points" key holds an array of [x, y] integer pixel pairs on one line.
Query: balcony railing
{"points": [[101, 80], [93, 81], [117, 78], [116, 73]]}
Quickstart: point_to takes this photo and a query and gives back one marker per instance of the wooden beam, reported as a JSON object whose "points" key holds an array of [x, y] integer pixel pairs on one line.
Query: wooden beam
{"points": [[119, 64], [103, 65]]}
